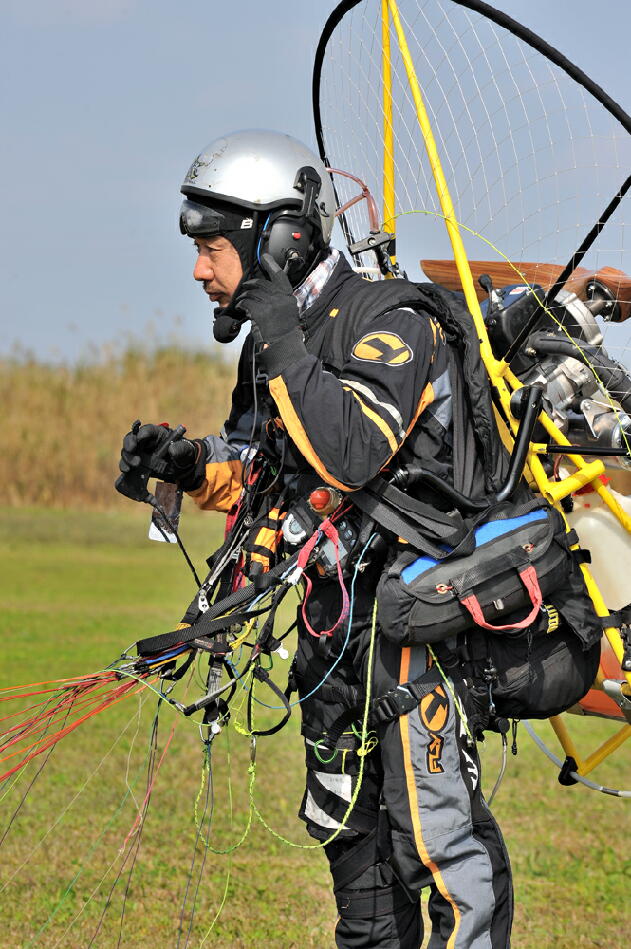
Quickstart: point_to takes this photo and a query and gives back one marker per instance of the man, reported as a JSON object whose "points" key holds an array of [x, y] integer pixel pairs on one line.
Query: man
{"points": [[338, 382]]}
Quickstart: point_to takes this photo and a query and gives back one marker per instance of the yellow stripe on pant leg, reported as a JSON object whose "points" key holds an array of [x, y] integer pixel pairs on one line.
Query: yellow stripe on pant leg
{"points": [[404, 728]]}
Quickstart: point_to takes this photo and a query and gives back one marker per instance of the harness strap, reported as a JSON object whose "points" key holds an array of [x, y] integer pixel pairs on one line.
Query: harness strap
{"points": [[403, 698], [345, 694], [372, 902], [417, 523], [353, 857], [266, 641], [354, 860], [263, 676], [398, 701], [212, 621], [421, 526], [155, 644], [618, 618]]}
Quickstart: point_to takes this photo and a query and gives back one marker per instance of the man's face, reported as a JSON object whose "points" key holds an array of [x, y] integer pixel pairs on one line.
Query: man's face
{"points": [[218, 268]]}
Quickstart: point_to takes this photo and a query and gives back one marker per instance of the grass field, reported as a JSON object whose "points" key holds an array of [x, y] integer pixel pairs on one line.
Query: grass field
{"points": [[79, 587]]}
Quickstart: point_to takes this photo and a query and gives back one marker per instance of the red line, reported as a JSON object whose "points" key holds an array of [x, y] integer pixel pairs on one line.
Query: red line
{"points": [[21, 711], [65, 731], [28, 727], [86, 680]]}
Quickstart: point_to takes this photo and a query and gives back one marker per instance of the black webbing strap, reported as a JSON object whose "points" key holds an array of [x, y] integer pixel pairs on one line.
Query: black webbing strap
{"points": [[374, 901], [208, 623], [420, 524], [343, 694], [340, 725], [354, 861], [617, 618], [465, 447], [445, 526], [569, 538], [398, 523], [155, 644], [581, 555], [400, 700], [263, 676], [403, 698], [178, 672], [266, 640]]}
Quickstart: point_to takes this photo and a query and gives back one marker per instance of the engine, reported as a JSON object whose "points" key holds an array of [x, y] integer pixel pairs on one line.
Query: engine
{"points": [[586, 393]]}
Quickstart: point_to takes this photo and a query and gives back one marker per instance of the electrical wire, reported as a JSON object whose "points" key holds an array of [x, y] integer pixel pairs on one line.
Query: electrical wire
{"points": [[500, 776], [260, 240]]}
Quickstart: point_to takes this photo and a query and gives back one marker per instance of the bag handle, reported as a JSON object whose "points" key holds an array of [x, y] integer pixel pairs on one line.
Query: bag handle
{"points": [[530, 580]]}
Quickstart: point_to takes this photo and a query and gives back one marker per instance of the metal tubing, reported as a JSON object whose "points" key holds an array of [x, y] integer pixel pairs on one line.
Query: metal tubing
{"points": [[499, 372], [607, 748], [389, 222], [560, 730]]}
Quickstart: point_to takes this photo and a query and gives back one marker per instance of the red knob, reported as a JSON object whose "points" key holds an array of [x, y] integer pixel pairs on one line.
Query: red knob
{"points": [[320, 499]]}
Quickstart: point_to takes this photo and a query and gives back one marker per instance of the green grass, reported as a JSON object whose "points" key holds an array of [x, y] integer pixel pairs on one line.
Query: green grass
{"points": [[78, 588]]}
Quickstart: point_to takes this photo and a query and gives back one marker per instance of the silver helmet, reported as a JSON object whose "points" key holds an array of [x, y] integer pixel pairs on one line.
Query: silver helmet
{"points": [[256, 170]]}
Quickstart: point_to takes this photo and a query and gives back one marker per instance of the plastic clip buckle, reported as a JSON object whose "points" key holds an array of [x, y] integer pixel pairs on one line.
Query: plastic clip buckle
{"points": [[395, 703]]}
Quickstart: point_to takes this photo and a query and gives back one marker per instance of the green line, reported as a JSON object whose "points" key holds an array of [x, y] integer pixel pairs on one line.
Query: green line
{"points": [[66, 892]]}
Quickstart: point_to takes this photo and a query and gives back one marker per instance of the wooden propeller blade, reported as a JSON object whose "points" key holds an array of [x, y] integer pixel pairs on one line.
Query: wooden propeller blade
{"points": [[503, 274]]}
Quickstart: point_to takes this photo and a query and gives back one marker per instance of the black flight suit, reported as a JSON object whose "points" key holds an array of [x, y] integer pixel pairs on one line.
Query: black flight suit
{"points": [[366, 391]]}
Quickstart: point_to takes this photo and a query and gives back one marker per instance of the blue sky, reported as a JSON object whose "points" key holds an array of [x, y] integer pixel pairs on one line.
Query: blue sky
{"points": [[106, 102]]}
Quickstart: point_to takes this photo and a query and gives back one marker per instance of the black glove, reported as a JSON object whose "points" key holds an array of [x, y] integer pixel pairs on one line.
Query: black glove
{"points": [[184, 462], [273, 310]]}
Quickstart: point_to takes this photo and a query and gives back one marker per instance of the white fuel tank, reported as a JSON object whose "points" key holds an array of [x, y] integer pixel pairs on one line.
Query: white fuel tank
{"points": [[609, 542]]}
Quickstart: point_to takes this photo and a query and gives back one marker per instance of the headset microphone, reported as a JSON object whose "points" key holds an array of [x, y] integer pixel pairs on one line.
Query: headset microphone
{"points": [[226, 327]]}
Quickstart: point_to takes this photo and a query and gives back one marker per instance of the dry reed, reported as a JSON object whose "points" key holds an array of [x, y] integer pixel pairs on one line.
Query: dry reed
{"points": [[63, 425]]}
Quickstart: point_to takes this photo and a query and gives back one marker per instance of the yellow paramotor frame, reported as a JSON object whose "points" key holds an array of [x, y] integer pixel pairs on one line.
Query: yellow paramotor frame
{"points": [[500, 374]]}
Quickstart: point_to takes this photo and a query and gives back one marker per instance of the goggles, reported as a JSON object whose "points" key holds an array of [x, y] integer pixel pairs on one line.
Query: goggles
{"points": [[201, 220]]}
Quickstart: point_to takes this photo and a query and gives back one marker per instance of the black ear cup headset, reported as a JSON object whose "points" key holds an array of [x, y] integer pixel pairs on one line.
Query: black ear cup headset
{"points": [[294, 237]]}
